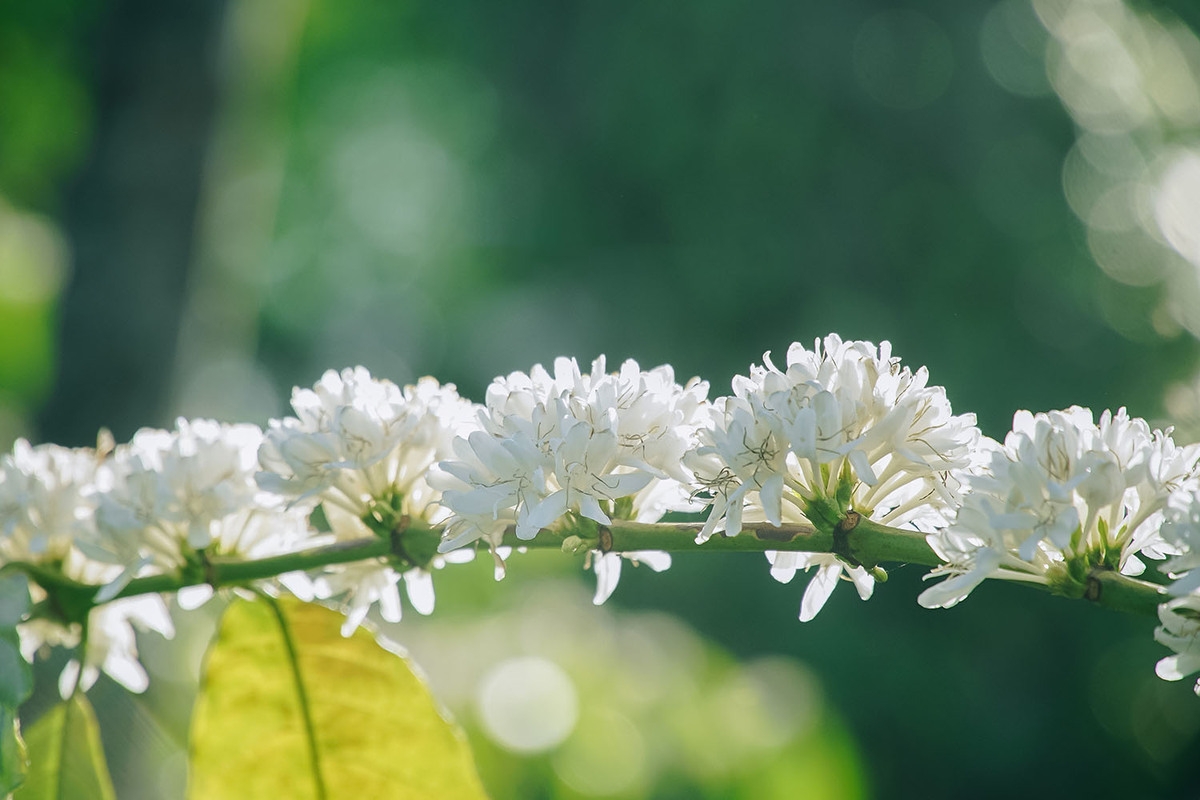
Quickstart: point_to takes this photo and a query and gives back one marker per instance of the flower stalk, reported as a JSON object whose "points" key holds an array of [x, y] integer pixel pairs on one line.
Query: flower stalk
{"points": [[869, 543]]}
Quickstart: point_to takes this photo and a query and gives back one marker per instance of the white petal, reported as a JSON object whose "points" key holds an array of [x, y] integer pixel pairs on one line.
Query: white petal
{"points": [[68, 678], [1133, 566], [114, 587], [1167, 669], [733, 516], [608, 573], [862, 581], [192, 597], [949, 592], [461, 556], [862, 467], [389, 601], [419, 586], [656, 560], [590, 508], [783, 574], [771, 497], [88, 676], [498, 556], [128, 672], [542, 514], [818, 591], [299, 584], [354, 618]]}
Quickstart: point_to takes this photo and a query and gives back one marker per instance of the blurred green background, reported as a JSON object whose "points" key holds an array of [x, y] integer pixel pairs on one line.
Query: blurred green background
{"points": [[204, 204]]}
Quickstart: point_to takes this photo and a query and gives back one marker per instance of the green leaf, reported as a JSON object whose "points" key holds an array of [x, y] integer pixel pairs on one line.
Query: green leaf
{"points": [[290, 708], [16, 677], [14, 599], [16, 680], [12, 752], [66, 760]]}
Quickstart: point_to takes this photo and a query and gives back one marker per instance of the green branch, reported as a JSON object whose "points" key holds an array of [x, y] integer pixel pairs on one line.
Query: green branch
{"points": [[856, 540]]}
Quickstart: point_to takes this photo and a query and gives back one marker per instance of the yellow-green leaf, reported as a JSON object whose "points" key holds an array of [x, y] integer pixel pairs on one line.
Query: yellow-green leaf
{"points": [[66, 761], [290, 708]]}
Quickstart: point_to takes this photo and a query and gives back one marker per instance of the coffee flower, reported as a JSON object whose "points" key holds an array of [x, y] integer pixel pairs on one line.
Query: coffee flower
{"points": [[1061, 496], [47, 505], [830, 570], [169, 494], [1181, 530], [608, 568], [1180, 631], [573, 443], [47, 518], [363, 449], [844, 427], [594, 445], [357, 442], [111, 645]]}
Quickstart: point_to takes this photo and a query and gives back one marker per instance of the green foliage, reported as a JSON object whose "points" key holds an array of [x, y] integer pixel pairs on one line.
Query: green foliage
{"points": [[723, 186], [16, 680], [12, 751], [820, 766], [66, 761], [289, 708], [48, 110], [27, 360]]}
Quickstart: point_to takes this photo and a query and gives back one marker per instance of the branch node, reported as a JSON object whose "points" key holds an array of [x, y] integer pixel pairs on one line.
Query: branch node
{"points": [[210, 570], [396, 537], [841, 537]]}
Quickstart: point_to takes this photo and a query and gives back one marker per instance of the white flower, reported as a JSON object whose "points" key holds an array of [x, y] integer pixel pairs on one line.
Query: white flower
{"points": [[355, 587], [608, 568], [111, 646], [1180, 631], [47, 516], [1063, 493], [572, 443], [1181, 529], [844, 428], [172, 488], [829, 571], [46, 501], [364, 448], [169, 494], [842, 412], [357, 441], [492, 484]]}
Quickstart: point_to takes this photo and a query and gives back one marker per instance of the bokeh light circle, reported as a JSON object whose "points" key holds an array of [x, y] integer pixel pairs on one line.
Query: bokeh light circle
{"points": [[527, 704]]}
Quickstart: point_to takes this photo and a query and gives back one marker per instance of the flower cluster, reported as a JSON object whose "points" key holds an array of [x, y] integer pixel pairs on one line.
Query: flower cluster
{"points": [[1062, 496], [1180, 631], [842, 433], [170, 502], [594, 445], [364, 450], [1180, 617], [170, 495], [48, 499], [843, 428]]}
